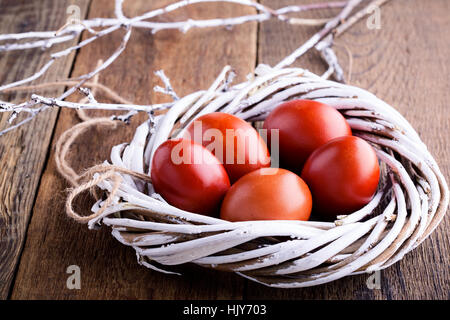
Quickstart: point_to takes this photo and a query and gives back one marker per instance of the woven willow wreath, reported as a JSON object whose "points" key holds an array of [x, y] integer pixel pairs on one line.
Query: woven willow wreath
{"points": [[411, 200]]}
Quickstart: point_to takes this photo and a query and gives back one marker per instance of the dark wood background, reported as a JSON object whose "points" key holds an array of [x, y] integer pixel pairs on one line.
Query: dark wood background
{"points": [[406, 63]]}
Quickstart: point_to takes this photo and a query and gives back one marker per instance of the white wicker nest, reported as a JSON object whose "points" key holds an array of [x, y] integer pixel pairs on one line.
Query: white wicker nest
{"points": [[410, 202]]}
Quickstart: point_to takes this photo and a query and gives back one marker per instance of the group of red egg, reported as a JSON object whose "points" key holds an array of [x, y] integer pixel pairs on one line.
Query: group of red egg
{"points": [[224, 170]]}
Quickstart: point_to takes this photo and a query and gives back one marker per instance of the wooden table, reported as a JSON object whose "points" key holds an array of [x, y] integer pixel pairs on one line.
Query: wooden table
{"points": [[406, 63]]}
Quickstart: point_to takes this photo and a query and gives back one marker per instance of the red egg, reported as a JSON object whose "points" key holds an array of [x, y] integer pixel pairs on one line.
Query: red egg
{"points": [[234, 141], [342, 175], [267, 194], [189, 177], [304, 125]]}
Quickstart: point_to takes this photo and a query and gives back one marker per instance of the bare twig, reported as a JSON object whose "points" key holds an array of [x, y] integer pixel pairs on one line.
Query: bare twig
{"points": [[109, 93], [46, 39], [329, 27], [168, 87], [325, 45]]}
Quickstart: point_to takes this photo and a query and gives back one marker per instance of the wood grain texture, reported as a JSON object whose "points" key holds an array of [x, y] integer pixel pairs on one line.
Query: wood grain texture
{"points": [[23, 151], [404, 63], [108, 269]]}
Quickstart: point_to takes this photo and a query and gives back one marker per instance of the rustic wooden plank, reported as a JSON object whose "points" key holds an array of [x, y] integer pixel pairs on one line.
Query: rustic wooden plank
{"points": [[23, 151], [109, 269], [406, 64]]}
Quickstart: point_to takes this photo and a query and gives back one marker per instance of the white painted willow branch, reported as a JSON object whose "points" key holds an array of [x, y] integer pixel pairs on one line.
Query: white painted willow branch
{"points": [[283, 253], [46, 39], [96, 106], [69, 31]]}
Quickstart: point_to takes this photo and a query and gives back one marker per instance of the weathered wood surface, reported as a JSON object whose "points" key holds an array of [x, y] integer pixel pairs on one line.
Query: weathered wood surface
{"points": [[405, 63], [108, 269], [23, 152]]}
